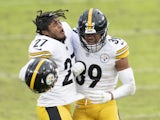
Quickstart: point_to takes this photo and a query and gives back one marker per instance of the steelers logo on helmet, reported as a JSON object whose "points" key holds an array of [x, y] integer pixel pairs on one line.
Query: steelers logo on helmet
{"points": [[41, 75], [50, 79]]}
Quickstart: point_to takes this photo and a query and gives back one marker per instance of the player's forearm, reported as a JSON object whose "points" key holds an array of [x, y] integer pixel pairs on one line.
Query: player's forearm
{"points": [[125, 90], [128, 87]]}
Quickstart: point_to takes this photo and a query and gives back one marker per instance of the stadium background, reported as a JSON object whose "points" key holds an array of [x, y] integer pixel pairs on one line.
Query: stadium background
{"points": [[136, 21]]}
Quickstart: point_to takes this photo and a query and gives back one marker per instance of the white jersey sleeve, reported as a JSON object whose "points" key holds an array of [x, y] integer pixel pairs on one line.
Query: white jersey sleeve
{"points": [[120, 46]]}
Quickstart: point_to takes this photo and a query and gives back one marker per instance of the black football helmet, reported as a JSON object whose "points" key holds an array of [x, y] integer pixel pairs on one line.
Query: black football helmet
{"points": [[41, 74], [92, 21]]}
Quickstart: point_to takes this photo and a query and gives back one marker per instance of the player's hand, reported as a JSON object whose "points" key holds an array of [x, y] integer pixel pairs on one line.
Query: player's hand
{"points": [[99, 96], [22, 73], [78, 68]]}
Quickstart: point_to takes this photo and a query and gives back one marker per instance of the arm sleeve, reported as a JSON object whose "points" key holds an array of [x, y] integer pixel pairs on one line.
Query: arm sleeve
{"points": [[128, 84]]}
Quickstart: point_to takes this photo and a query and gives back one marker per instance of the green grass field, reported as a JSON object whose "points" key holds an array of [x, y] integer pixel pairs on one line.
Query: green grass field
{"points": [[136, 21]]}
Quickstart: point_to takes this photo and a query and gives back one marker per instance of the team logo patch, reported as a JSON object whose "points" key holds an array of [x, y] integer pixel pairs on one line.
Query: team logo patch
{"points": [[50, 79], [104, 58]]}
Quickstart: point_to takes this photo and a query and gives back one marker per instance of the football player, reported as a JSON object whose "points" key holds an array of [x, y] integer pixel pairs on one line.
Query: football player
{"points": [[53, 41], [105, 59]]}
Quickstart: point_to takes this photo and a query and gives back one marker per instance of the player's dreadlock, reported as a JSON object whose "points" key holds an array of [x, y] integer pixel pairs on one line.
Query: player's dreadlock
{"points": [[44, 19]]}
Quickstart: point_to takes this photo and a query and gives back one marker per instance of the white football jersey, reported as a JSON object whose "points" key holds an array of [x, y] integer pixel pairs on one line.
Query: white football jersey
{"points": [[64, 90], [100, 72]]}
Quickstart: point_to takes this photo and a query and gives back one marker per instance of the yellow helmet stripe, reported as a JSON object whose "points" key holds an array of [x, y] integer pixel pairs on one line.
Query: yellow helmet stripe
{"points": [[90, 18], [35, 74]]}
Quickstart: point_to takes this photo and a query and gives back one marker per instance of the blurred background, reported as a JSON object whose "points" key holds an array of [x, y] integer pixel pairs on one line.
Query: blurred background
{"points": [[136, 21]]}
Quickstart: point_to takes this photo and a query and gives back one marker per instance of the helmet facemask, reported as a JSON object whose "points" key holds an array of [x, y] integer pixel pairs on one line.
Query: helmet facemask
{"points": [[94, 47]]}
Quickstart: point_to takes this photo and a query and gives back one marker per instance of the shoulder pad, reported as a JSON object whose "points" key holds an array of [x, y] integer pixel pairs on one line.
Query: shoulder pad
{"points": [[121, 47]]}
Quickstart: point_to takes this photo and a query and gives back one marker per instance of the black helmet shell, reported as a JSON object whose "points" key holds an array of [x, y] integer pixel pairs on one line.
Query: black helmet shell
{"points": [[41, 75]]}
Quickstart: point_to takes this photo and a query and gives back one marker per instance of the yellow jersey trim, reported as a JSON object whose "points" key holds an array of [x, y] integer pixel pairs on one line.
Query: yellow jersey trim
{"points": [[123, 55], [43, 54], [122, 50]]}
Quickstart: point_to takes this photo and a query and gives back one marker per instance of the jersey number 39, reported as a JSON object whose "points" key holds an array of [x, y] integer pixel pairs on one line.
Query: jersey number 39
{"points": [[94, 73]]}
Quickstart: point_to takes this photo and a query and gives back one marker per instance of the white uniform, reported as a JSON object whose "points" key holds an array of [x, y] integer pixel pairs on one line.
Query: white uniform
{"points": [[100, 71], [64, 90]]}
